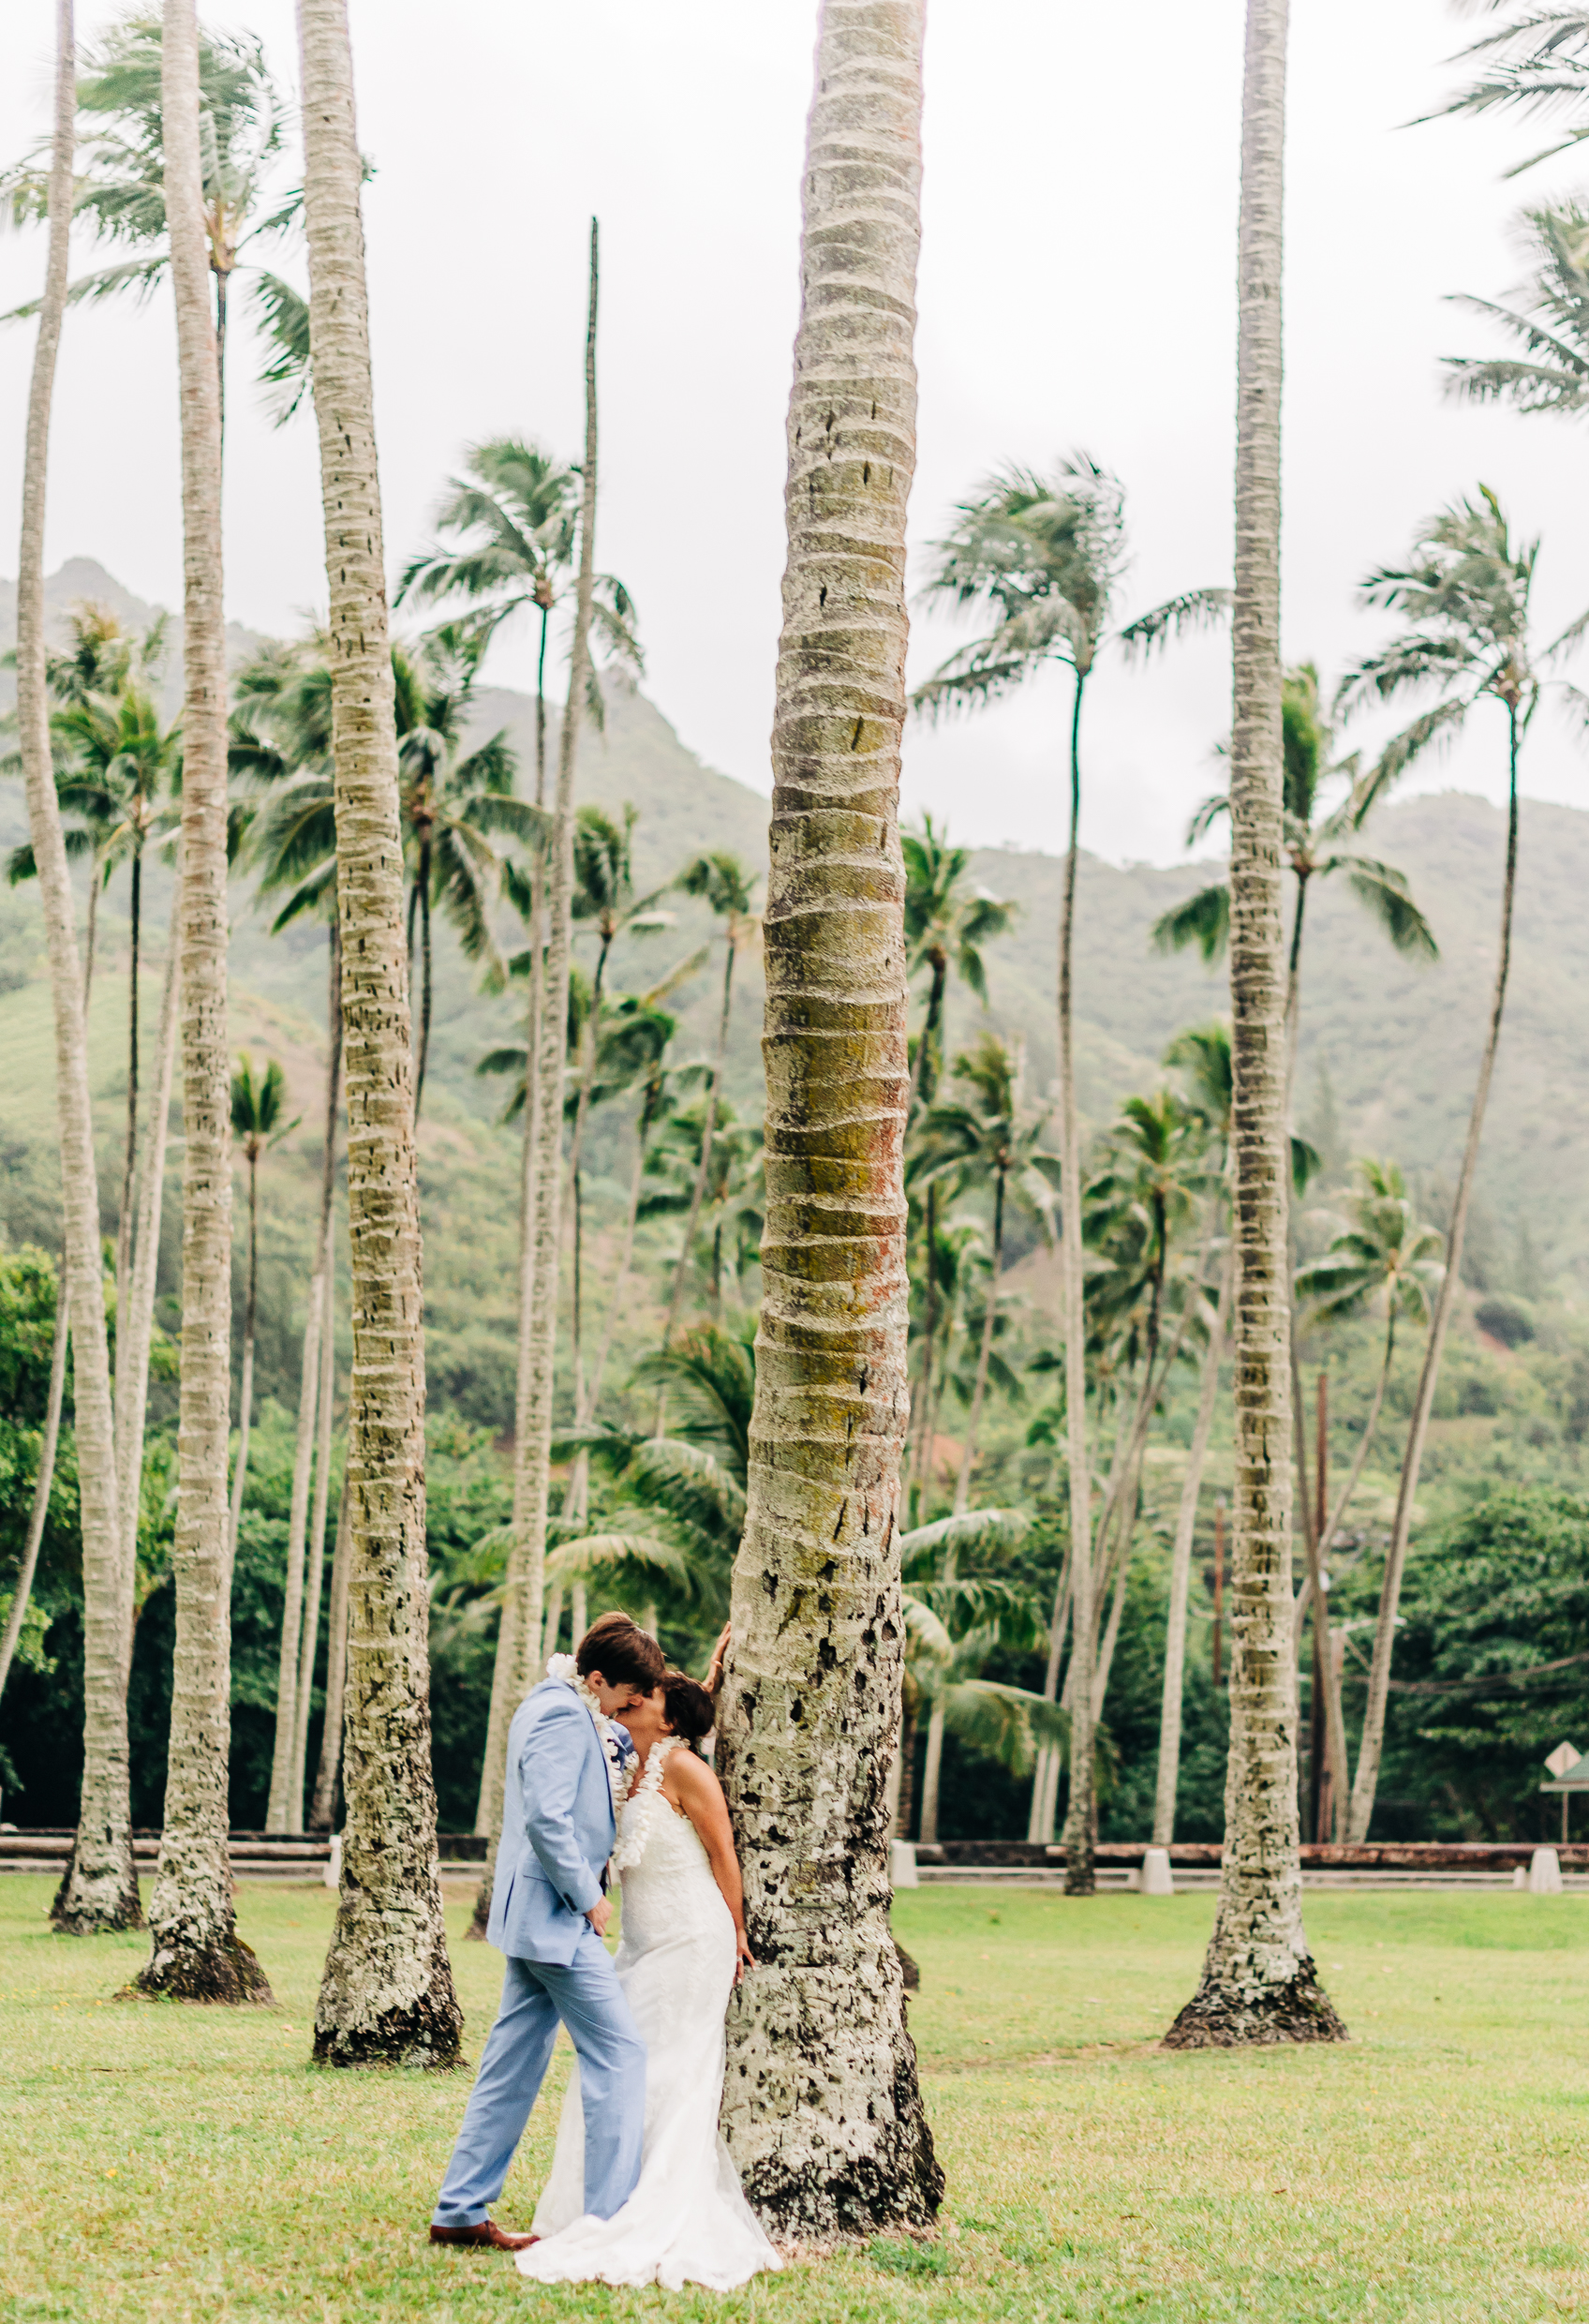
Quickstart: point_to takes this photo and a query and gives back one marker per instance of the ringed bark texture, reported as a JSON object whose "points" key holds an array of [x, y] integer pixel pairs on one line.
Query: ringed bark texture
{"points": [[100, 1889], [822, 2106], [1259, 1984], [196, 1953], [386, 1996]]}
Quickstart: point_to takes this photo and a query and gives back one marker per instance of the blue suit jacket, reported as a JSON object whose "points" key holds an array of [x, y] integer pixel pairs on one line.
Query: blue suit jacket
{"points": [[557, 1827]]}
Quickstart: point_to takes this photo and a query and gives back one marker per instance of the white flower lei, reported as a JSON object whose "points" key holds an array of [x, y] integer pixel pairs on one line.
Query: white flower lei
{"points": [[641, 1810], [563, 1666]]}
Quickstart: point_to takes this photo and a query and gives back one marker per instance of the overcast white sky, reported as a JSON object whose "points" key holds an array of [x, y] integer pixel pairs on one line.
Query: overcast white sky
{"points": [[1077, 289]]}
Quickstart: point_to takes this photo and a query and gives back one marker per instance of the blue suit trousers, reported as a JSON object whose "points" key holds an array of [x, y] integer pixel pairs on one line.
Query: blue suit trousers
{"points": [[586, 1995]]}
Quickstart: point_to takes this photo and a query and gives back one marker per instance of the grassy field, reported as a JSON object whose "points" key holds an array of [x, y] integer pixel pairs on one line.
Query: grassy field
{"points": [[158, 2162]]}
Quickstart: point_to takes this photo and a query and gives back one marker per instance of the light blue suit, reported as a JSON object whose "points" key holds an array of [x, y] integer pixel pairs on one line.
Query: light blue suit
{"points": [[558, 1833]]}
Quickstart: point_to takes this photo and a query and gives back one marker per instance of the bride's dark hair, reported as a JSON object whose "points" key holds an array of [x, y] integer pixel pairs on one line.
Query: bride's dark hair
{"points": [[688, 1708]]}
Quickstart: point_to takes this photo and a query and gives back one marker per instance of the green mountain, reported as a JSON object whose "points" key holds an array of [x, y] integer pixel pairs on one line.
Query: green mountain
{"points": [[1389, 1050]]}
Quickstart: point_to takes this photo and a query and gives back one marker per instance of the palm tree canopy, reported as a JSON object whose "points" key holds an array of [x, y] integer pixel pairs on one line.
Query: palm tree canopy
{"points": [[1384, 1256], [1045, 557], [515, 512], [1551, 324], [1313, 838], [947, 919], [1538, 62], [121, 180], [725, 882], [1463, 595], [256, 1105]]}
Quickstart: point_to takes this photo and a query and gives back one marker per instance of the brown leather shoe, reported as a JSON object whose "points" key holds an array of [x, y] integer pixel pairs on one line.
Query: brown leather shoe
{"points": [[487, 2233]]}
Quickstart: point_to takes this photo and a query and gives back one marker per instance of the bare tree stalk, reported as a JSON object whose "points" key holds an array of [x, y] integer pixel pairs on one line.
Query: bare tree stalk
{"points": [[822, 2106], [1082, 1809], [1180, 1564], [100, 1889], [22, 1587], [386, 1996], [195, 1952], [518, 1642], [1259, 1984], [1371, 1744], [324, 1808]]}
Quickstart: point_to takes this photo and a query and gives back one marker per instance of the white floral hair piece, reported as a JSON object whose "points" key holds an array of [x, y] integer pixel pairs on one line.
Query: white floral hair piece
{"points": [[639, 1810]]}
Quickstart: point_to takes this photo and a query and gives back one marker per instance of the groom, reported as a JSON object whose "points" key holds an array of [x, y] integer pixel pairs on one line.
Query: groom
{"points": [[549, 1912]]}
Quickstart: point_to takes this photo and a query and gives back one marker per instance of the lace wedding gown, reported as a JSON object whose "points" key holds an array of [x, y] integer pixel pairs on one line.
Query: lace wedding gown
{"points": [[687, 2219]]}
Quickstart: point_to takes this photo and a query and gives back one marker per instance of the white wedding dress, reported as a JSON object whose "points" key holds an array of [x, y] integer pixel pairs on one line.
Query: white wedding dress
{"points": [[686, 2220]]}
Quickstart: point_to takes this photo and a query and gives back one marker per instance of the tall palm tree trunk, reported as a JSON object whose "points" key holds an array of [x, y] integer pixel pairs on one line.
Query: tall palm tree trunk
{"points": [[1314, 1594], [135, 1325], [386, 1995], [703, 1169], [1258, 1983], [308, 1644], [286, 1810], [100, 1889], [1371, 1744], [49, 1438], [129, 1140], [246, 1397], [422, 886], [519, 1633], [1180, 1565], [1081, 1810], [323, 1811], [932, 1767], [822, 2108], [195, 1952]]}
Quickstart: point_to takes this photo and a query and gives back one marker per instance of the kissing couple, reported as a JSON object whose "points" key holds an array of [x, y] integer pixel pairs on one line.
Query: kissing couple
{"points": [[603, 1775]]}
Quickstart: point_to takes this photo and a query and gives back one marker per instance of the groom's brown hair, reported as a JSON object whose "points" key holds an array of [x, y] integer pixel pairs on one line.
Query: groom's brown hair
{"points": [[625, 1654]]}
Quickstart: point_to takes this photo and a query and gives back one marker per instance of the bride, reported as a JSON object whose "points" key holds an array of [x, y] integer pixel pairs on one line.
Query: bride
{"points": [[682, 1952]]}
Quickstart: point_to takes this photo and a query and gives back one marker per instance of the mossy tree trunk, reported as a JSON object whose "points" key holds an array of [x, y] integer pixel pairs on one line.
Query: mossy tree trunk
{"points": [[195, 1954], [100, 1889], [386, 1996], [1259, 1984], [822, 2110]]}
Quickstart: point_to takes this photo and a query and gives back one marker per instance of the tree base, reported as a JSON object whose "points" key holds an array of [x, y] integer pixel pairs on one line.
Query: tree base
{"points": [[899, 2196], [1080, 1879], [475, 1933], [419, 2036], [1222, 2017], [107, 1907], [228, 1972]]}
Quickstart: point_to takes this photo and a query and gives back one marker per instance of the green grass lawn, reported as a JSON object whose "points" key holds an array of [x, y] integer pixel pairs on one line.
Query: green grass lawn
{"points": [[162, 2161]]}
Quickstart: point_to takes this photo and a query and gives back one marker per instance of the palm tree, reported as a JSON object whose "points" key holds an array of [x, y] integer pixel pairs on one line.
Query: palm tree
{"points": [[516, 508], [988, 1138], [1385, 1256], [119, 766], [1552, 325], [1538, 62], [728, 885], [256, 1123], [122, 181], [605, 900], [1258, 1983], [824, 2113], [1202, 1056], [947, 923], [387, 1991], [195, 1952], [100, 1889], [1314, 849], [1044, 556], [1464, 596], [519, 1633]]}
